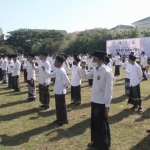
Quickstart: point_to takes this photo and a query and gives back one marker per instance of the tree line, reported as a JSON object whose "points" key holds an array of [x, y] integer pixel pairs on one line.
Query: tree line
{"points": [[52, 41]]}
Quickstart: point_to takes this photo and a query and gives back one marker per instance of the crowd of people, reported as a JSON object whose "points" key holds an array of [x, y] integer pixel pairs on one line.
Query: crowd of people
{"points": [[96, 67]]}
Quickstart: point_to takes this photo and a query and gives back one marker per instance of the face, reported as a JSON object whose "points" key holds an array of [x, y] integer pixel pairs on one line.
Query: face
{"points": [[14, 58], [30, 58], [95, 59], [57, 63]]}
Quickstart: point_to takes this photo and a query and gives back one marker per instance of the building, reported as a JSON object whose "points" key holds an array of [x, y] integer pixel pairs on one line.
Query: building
{"points": [[64, 32], [1, 35], [120, 28], [142, 25]]}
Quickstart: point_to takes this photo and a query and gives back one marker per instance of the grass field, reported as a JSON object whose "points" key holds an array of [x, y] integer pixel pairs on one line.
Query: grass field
{"points": [[24, 126]]}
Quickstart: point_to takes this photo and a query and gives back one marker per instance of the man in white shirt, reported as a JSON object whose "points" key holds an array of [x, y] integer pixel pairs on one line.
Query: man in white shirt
{"points": [[143, 63], [127, 66], [65, 63], [117, 64], [44, 81], [4, 69], [90, 67], [61, 83], [10, 70], [76, 82], [24, 61], [53, 68], [16, 73], [101, 99], [135, 79], [31, 77]]}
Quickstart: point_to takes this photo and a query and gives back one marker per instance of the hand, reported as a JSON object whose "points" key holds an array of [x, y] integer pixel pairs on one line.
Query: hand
{"points": [[147, 67], [32, 63], [22, 62], [124, 68], [91, 68], [83, 64], [43, 68], [106, 112]]}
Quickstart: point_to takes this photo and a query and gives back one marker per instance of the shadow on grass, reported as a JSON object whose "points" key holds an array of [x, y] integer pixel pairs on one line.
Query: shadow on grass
{"points": [[119, 84], [146, 98], [143, 145], [85, 105], [73, 131], [13, 103], [144, 115], [25, 136], [17, 115], [119, 99], [120, 116]]}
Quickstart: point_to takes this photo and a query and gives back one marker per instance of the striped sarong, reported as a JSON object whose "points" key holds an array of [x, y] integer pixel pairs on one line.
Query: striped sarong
{"points": [[135, 95]]}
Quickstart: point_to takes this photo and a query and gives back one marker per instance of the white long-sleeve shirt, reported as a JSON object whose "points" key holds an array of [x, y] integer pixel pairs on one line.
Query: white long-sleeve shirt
{"points": [[143, 61], [61, 81], [43, 78], [30, 71], [10, 63], [75, 75], [102, 85], [135, 74], [16, 68], [117, 60], [65, 66], [4, 64], [127, 67], [53, 68], [25, 62]]}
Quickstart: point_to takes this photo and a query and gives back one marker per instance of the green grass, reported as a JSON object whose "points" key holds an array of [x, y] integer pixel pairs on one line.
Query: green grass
{"points": [[24, 126]]}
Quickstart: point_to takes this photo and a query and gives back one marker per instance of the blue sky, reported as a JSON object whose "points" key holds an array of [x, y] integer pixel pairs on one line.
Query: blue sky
{"points": [[70, 15]]}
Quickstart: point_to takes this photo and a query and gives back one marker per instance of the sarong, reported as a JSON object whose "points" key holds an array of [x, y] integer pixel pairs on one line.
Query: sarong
{"points": [[31, 89], [61, 111], [10, 81], [16, 85], [76, 94], [25, 74], [4, 77], [1, 74], [117, 70], [90, 81], [127, 86], [135, 95], [44, 94], [100, 131]]}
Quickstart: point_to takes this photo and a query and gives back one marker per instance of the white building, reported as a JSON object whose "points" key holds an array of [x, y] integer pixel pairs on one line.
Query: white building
{"points": [[142, 25], [120, 28]]}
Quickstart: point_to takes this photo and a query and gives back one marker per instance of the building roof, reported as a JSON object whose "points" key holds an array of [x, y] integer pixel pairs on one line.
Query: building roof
{"points": [[125, 27], [64, 32], [145, 19], [1, 32]]}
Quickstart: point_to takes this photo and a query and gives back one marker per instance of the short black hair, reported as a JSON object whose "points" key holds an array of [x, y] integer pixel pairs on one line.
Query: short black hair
{"points": [[60, 59]]}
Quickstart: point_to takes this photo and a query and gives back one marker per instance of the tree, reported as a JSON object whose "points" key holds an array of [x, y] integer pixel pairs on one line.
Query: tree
{"points": [[147, 33], [22, 39], [5, 49]]}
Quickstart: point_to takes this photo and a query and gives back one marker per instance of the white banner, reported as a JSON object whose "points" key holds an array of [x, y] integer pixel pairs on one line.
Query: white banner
{"points": [[125, 46]]}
